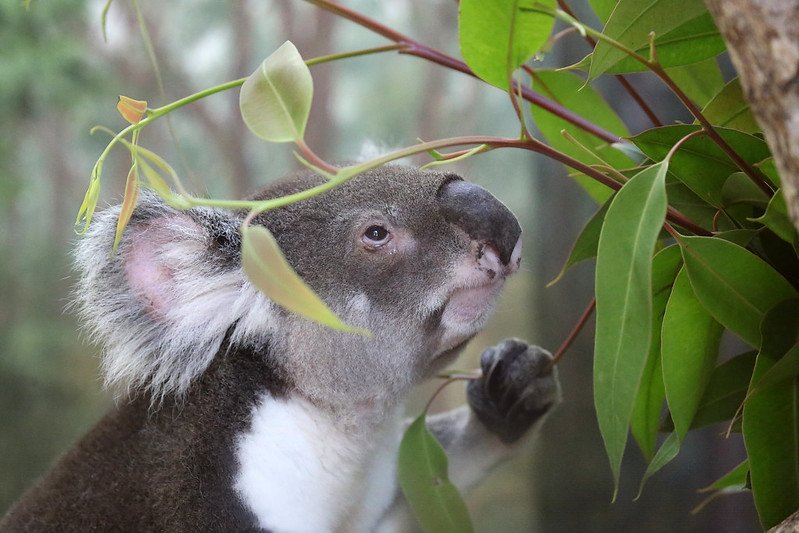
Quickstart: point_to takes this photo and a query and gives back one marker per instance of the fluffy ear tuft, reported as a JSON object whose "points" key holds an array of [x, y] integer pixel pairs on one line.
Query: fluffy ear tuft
{"points": [[166, 300]]}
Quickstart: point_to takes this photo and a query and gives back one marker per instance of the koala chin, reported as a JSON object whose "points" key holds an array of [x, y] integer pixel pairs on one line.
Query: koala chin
{"points": [[236, 415]]}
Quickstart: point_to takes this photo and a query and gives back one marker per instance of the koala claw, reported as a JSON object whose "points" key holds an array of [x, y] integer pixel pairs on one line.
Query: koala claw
{"points": [[518, 387]]}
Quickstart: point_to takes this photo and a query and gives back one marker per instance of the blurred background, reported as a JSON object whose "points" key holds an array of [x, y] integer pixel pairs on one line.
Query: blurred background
{"points": [[58, 78]]}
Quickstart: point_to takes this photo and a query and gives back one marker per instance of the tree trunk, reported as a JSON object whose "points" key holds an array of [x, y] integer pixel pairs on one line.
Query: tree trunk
{"points": [[763, 40]]}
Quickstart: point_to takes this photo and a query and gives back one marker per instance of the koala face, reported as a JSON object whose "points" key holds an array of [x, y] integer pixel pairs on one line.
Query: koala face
{"points": [[417, 258]]}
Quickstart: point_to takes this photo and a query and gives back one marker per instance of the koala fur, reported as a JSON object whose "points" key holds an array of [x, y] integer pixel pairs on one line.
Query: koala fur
{"points": [[236, 415]]}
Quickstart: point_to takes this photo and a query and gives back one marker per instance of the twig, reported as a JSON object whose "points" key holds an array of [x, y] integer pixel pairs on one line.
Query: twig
{"points": [[574, 332]]}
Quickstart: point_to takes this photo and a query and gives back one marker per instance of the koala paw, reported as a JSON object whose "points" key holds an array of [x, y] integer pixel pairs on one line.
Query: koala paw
{"points": [[517, 388]]}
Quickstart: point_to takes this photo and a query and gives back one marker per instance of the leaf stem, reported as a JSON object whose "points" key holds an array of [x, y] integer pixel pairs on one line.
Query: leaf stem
{"points": [[574, 332]]}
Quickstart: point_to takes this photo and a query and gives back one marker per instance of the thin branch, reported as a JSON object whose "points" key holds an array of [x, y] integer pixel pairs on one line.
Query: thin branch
{"points": [[415, 48], [574, 332], [755, 175]]}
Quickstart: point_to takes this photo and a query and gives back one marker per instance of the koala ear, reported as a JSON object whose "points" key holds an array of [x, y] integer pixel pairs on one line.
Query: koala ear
{"points": [[165, 301]]}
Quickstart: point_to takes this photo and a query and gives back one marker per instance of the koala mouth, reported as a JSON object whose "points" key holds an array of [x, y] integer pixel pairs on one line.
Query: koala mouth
{"points": [[465, 312], [470, 306]]}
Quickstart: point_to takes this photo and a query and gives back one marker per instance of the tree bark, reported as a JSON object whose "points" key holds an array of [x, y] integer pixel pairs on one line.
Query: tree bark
{"points": [[763, 41]]}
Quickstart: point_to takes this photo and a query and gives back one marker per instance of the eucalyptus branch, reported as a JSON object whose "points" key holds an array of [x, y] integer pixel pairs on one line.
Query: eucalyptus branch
{"points": [[661, 73], [415, 48], [574, 332]]}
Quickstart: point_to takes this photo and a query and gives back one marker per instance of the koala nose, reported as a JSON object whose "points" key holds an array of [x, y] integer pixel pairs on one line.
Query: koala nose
{"points": [[483, 217]]}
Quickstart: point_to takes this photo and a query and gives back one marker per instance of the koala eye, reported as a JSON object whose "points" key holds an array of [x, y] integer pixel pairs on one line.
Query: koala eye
{"points": [[376, 235]]}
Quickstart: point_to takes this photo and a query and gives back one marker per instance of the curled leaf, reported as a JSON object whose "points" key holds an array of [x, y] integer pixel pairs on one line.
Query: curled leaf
{"points": [[130, 109], [128, 203], [89, 204]]}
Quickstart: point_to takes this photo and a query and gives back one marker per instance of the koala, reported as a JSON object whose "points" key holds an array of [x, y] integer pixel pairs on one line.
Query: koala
{"points": [[234, 414]]}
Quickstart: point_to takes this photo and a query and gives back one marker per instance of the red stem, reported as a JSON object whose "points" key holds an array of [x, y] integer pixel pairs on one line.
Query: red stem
{"points": [[574, 332]]}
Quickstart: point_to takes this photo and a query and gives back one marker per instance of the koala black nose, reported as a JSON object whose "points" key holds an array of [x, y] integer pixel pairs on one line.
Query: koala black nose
{"points": [[483, 217]]}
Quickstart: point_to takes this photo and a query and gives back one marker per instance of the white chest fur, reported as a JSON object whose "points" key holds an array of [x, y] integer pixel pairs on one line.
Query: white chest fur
{"points": [[299, 471]]}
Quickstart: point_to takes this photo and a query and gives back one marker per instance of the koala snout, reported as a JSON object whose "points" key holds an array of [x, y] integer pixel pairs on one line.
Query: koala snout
{"points": [[484, 218]]}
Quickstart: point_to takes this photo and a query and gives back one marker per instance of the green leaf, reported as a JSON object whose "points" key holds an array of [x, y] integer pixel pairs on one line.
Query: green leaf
{"points": [[667, 451], [649, 402], [729, 109], [691, 42], [268, 270], [700, 81], [741, 237], [276, 99], [571, 92], [771, 424], [624, 303], [769, 168], [700, 163], [784, 341], [725, 391], [739, 189], [776, 219], [602, 8], [686, 202], [422, 475], [497, 37], [689, 346], [633, 20], [586, 244], [735, 478], [734, 285], [734, 481]]}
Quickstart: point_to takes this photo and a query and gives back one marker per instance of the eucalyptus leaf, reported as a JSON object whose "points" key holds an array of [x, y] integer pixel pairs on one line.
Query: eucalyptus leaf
{"points": [[699, 81], [689, 204], [739, 189], [769, 168], [733, 284], [128, 203], [693, 41], [777, 220], [602, 8], [571, 92], [729, 109], [423, 477], [586, 244], [771, 424], [497, 37], [665, 454], [633, 20], [275, 100], [268, 270], [725, 391], [645, 421], [624, 303], [689, 347], [700, 163], [735, 478]]}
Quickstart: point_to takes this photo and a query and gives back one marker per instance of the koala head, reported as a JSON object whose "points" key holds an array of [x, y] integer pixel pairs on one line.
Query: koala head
{"points": [[415, 257]]}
